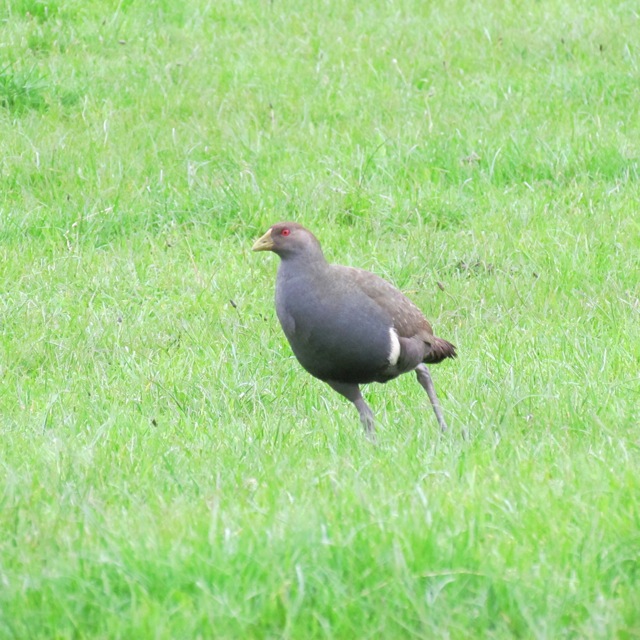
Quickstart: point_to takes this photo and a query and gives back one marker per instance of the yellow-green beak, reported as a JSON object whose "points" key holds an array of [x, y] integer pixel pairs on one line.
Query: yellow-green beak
{"points": [[265, 243]]}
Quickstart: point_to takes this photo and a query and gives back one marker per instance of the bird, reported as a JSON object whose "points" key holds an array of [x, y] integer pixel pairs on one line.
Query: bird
{"points": [[347, 326]]}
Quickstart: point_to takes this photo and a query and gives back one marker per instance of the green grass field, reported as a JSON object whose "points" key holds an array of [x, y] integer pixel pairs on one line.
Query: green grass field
{"points": [[168, 469]]}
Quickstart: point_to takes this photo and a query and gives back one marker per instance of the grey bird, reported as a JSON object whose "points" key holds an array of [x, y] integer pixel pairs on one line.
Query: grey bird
{"points": [[347, 326]]}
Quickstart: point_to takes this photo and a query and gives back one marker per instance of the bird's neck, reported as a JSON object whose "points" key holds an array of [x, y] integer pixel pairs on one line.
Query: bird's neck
{"points": [[298, 265]]}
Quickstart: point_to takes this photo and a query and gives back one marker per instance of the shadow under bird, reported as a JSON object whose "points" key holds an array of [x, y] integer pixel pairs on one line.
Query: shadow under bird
{"points": [[348, 326]]}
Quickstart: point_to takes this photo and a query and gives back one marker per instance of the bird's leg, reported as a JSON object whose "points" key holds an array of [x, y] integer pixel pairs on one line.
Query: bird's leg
{"points": [[424, 378], [352, 392]]}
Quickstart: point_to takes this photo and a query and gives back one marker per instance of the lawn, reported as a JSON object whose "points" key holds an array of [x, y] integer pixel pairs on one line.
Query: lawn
{"points": [[168, 469]]}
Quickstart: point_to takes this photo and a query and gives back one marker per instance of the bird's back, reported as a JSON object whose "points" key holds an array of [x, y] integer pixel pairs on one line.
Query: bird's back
{"points": [[407, 318]]}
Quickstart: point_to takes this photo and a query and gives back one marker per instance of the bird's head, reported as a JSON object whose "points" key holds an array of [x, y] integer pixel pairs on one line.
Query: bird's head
{"points": [[289, 240]]}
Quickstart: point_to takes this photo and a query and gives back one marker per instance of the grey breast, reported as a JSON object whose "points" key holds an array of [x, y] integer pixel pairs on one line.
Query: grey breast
{"points": [[336, 331]]}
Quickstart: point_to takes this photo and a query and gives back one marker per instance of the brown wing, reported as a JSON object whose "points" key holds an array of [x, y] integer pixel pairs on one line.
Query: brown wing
{"points": [[407, 319]]}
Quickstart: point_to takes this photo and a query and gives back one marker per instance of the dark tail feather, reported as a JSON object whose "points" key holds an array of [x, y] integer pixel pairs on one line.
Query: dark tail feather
{"points": [[439, 350]]}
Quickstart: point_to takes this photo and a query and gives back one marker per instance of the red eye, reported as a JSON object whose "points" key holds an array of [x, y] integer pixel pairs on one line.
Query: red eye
{"points": [[285, 232]]}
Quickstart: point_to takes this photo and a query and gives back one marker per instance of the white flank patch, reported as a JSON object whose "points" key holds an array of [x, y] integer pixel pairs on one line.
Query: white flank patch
{"points": [[394, 352]]}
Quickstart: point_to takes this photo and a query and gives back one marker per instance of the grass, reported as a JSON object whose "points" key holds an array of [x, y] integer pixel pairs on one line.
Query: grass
{"points": [[169, 470]]}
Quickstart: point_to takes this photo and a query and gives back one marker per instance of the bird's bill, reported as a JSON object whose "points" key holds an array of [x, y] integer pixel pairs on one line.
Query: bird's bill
{"points": [[265, 243]]}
